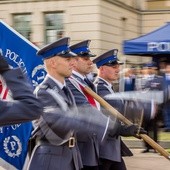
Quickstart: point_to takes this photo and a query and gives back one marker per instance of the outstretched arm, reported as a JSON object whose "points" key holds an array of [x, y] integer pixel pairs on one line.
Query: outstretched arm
{"points": [[24, 106]]}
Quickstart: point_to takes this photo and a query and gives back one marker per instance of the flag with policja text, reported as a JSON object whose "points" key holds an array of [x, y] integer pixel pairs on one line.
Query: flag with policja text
{"points": [[19, 52]]}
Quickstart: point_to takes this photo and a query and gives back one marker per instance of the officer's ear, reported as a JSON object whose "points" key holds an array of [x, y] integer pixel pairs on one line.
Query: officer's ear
{"points": [[102, 68], [50, 62]]}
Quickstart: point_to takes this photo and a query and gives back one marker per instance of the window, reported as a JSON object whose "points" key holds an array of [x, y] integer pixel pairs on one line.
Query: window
{"points": [[54, 27], [22, 24]]}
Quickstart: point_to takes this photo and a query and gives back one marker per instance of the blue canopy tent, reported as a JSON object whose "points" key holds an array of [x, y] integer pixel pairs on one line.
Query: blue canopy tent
{"points": [[155, 44]]}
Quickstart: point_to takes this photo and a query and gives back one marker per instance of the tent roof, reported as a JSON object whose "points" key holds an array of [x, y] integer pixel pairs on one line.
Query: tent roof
{"points": [[154, 43]]}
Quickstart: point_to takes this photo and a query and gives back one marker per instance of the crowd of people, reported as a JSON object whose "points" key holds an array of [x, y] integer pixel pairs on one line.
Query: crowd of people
{"points": [[152, 76], [72, 130]]}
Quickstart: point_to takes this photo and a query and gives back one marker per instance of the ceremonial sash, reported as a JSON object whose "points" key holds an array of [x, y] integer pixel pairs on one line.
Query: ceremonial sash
{"points": [[80, 87], [89, 97]]}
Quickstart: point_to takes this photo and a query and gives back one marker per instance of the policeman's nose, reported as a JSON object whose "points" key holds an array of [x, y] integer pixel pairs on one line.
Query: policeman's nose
{"points": [[72, 62], [118, 70], [90, 62]]}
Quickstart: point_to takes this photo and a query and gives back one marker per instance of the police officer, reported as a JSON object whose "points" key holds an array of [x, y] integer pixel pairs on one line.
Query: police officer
{"points": [[24, 106], [112, 149], [56, 147], [129, 79], [153, 82], [83, 66], [89, 145]]}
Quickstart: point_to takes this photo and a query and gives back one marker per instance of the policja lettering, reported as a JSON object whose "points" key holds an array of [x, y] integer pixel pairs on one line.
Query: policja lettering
{"points": [[158, 46], [15, 58]]}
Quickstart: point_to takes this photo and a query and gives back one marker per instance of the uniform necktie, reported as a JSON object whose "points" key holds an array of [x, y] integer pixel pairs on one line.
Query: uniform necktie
{"points": [[112, 88], [90, 84], [68, 95]]}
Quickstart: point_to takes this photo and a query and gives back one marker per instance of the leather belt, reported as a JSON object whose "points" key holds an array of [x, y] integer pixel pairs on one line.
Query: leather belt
{"points": [[70, 143]]}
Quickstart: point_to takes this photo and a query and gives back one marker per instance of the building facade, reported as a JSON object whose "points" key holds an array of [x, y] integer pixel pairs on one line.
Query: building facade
{"points": [[105, 22]]}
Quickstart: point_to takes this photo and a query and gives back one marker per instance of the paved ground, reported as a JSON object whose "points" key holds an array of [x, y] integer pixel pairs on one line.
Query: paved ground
{"points": [[146, 161]]}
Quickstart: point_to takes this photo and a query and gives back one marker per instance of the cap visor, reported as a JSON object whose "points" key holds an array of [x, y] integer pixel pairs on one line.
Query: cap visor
{"points": [[91, 55], [88, 54], [69, 54], [120, 62]]}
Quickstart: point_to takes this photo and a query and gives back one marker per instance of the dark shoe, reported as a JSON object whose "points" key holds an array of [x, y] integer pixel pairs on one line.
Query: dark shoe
{"points": [[145, 151]]}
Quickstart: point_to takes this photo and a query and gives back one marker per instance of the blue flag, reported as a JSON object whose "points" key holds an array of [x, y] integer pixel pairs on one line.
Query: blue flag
{"points": [[19, 52]]}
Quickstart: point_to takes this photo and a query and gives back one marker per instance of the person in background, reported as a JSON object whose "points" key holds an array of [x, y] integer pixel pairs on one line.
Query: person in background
{"points": [[24, 107], [166, 104], [161, 66], [152, 82], [129, 79]]}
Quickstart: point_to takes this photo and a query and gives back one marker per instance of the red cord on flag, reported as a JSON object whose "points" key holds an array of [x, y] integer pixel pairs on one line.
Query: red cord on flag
{"points": [[3, 91]]}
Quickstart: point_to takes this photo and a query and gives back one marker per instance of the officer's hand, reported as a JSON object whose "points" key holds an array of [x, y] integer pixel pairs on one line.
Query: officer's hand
{"points": [[3, 65], [131, 130], [140, 131]]}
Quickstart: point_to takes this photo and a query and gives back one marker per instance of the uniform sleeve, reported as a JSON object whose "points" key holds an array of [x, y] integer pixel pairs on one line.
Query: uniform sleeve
{"points": [[24, 106], [118, 104], [87, 122], [83, 119]]}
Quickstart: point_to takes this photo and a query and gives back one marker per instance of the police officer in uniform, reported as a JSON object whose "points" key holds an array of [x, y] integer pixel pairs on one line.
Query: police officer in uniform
{"points": [[152, 82], [112, 149], [88, 144], [56, 147], [24, 106]]}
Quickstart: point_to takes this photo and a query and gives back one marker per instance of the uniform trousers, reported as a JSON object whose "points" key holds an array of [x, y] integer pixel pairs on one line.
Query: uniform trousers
{"points": [[112, 165], [90, 168], [166, 115], [152, 130]]}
